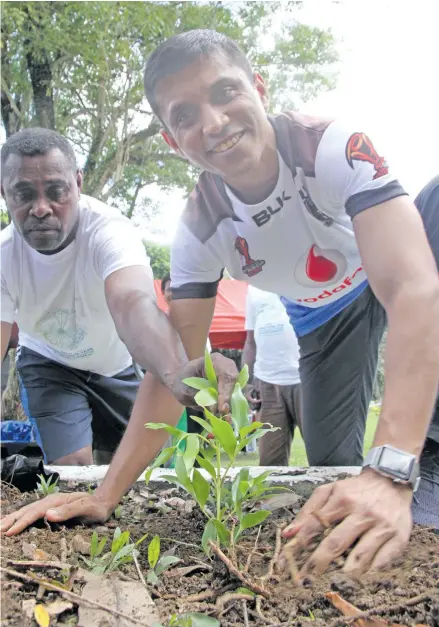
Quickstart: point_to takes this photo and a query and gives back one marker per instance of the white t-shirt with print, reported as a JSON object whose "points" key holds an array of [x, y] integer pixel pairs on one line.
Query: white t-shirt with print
{"points": [[299, 242], [58, 301], [277, 349]]}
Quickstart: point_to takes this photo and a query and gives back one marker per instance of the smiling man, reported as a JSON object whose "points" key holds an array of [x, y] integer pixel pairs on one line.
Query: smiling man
{"points": [[308, 209]]}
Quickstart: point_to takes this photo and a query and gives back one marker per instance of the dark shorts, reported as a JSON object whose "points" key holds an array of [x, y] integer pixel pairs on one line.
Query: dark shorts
{"points": [[72, 408]]}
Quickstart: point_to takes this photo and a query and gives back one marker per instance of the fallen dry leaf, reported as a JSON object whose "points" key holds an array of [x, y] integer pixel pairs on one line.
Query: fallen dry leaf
{"points": [[347, 609], [80, 545], [58, 607], [27, 607], [41, 615], [30, 550], [129, 597]]}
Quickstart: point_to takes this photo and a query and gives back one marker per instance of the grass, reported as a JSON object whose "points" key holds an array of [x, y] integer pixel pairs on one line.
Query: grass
{"points": [[298, 453]]}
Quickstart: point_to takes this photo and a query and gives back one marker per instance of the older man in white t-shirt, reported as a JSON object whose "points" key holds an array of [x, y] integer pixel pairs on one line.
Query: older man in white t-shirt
{"points": [[271, 352]]}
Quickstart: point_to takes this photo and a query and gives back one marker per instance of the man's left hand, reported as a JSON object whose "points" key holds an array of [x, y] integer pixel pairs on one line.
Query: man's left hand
{"points": [[369, 509]]}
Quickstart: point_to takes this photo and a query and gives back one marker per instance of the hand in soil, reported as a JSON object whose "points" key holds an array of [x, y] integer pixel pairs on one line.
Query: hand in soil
{"points": [[57, 508], [226, 373], [368, 509]]}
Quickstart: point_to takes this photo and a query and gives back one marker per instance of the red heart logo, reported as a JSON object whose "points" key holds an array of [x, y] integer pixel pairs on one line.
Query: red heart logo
{"points": [[318, 267]]}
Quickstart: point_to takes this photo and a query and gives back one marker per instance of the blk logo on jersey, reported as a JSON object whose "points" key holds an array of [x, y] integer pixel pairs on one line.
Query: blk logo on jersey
{"points": [[320, 266], [264, 216], [360, 148], [251, 266]]}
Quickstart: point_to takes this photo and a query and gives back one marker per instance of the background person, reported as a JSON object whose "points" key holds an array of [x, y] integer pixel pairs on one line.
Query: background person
{"points": [[271, 352]]}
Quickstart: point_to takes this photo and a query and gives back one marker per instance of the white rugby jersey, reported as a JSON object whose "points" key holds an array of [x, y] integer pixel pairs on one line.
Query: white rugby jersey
{"points": [[299, 242]]}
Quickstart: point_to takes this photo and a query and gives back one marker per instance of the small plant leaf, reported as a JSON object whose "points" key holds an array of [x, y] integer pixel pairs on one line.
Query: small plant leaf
{"points": [[244, 431], [236, 491], [223, 532], [119, 542], [197, 383], [223, 432], [260, 478], [165, 562], [253, 519], [209, 533], [210, 370], [196, 619], [94, 544], [163, 425], [41, 615], [101, 546], [152, 578], [154, 551], [206, 397], [243, 377], [202, 422], [181, 472], [161, 459], [239, 408], [142, 539], [205, 463], [201, 488], [192, 448], [245, 591]]}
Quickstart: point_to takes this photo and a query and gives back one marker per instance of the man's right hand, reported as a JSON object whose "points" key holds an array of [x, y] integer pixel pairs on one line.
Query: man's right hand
{"points": [[57, 508], [226, 372]]}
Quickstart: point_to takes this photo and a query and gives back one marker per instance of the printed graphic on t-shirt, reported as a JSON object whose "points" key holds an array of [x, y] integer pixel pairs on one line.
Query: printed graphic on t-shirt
{"points": [[251, 266], [322, 266], [360, 148]]}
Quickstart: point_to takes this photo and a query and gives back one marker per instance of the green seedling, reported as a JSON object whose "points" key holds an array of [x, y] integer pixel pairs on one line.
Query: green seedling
{"points": [[224, 503], [47, 487], [118, 512], [122, 552], [158, 564], [193, 619]]}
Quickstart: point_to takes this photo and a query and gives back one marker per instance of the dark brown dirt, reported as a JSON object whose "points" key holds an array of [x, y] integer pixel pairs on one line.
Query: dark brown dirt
{"points": [[416, 572]]}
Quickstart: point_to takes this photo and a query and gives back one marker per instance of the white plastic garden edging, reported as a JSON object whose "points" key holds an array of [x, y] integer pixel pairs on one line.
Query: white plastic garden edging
{"points": [[281, 474]]}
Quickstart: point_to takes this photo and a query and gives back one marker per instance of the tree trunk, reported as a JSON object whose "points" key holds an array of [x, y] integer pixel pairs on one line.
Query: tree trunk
{"points": [[41, 78], [11, 403]]}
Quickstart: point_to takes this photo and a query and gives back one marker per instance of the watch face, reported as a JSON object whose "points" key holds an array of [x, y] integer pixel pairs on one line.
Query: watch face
{"points": [[395, 463]]}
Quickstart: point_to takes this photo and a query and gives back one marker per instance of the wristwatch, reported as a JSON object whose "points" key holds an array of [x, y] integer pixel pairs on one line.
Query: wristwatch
{"points": [[395, 464]]}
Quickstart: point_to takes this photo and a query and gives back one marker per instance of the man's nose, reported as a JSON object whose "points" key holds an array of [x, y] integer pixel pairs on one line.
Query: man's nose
{"points": [[214, 121], [41, 208]]}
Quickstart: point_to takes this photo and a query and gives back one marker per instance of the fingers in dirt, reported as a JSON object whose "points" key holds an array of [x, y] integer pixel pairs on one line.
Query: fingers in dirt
{"points": [[375, 549], [305, 523]]}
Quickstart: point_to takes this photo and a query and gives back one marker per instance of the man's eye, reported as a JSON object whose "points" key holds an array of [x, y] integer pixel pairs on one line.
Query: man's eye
{"points": [[24, 195], [225, 95], [56, 193], [185, 119]]}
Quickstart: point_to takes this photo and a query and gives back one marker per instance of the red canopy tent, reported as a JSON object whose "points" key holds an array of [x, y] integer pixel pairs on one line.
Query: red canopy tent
{"points": [[227, 330]]}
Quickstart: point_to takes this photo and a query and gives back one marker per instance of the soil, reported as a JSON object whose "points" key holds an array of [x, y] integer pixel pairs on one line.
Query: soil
{"points": [[178, 522]]}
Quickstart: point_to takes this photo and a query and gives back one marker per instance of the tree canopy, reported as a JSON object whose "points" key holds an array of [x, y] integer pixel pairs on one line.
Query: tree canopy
{"points": [[76, 67]]}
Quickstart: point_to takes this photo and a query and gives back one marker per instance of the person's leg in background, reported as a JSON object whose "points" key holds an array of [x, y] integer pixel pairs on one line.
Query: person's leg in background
{"points": [[337, 366], [55, 401], [111, 400], [275, 447]]}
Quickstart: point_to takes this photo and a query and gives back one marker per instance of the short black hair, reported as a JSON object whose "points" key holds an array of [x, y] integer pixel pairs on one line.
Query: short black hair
{"points": [[179, 51], [31, 142], [165, 280]]}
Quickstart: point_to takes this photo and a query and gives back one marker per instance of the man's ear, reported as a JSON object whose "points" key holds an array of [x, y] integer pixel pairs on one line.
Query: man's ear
{"points": [[79, 180], [171, 142], [262, 89]]}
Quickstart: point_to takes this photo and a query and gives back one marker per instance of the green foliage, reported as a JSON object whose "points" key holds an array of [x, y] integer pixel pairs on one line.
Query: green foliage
{"points": [[224, 503], [193, 619], [121, 552], [157, 564], [77, 67], [47, 487], [159, 257]]}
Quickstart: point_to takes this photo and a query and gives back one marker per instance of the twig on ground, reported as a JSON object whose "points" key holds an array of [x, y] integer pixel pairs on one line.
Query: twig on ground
{"points": [[276, 554], [206, 595], [233, 569], [252, 553], [194, 546], [245, 613], [46, 522], [263, 618], [71, 596], [231, 596], [289, 555], [139, 572], [64, 549], [384, 609], [37, 564]]}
